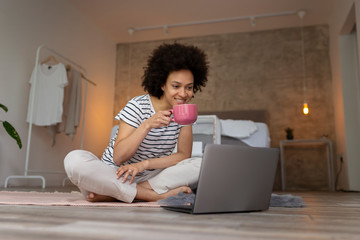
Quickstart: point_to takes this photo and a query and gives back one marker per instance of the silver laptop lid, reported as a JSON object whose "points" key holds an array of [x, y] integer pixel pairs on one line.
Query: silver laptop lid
{"points": [[235, 179]]}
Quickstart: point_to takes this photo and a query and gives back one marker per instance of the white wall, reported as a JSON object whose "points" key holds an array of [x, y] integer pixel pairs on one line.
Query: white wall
{"points": [[341, 10], [24, 25]]}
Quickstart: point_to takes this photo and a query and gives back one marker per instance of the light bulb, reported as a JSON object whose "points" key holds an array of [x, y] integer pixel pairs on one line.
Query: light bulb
{"points": [[306, 109]]}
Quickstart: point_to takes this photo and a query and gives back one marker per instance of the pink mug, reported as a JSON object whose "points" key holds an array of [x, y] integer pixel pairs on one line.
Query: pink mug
{"points": [[184, 114]]}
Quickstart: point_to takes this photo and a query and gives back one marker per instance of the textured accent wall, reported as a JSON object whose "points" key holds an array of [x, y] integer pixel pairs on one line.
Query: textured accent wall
{"points": [[255, 70]]}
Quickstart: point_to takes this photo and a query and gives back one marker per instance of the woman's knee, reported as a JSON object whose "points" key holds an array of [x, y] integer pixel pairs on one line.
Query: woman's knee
{"points": [[194, 162], [185, 173], [76, 159], [71, 159]]}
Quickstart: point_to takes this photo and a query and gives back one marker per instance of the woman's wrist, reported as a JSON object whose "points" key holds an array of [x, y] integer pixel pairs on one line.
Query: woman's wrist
{"points": [[146, 125], [145, 164]]}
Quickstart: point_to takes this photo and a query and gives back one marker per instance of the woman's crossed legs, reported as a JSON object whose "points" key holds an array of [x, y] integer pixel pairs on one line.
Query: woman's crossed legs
{"points": [[98, 182]]}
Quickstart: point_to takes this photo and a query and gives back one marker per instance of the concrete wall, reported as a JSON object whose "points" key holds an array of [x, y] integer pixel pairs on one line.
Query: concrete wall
{"points": [[255, 70], [24, 25]]}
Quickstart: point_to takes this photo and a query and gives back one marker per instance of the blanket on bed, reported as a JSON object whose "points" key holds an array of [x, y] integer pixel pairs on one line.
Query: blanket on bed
{"points": [[237, 128]]}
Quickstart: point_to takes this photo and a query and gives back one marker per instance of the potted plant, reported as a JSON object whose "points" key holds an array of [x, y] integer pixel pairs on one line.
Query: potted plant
{"points": [[10, 129]]}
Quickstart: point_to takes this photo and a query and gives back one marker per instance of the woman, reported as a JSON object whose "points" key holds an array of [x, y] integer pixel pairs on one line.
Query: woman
{"points": [[140, 163]]}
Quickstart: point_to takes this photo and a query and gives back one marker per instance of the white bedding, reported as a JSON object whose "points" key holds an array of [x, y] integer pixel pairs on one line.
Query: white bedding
{"points": [[237, 128], [260, 138]]}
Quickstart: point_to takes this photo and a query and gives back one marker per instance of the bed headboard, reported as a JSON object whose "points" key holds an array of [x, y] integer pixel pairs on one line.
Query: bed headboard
{"points": [[253, 115]]}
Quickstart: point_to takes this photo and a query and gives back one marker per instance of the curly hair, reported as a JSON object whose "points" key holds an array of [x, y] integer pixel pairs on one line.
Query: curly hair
{"points": [[168, 58]]}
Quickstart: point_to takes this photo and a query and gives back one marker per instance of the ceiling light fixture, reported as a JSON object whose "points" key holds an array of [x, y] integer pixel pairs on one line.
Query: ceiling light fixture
{"points": [[166, 30], [132, 30], [252, 20]]}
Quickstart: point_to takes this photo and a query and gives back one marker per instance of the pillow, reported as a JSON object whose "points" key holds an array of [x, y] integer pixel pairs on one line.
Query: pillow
{"points": [[237, 128]]}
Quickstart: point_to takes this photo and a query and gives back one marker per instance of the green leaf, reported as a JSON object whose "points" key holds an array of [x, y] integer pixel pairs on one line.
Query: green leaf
{"points": [[3, 107], [12, 132]]}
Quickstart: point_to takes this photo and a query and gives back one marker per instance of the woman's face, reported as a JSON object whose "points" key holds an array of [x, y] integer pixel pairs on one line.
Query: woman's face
{"points": [[179, 87]]}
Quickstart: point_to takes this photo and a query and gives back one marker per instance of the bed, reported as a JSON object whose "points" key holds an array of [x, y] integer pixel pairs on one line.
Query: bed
{"points": [[226, 127]]}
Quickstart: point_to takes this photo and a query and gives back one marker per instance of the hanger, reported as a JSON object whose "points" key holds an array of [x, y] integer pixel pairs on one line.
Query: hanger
{"points": [[86, 79], [49, 59], [68, 68]]}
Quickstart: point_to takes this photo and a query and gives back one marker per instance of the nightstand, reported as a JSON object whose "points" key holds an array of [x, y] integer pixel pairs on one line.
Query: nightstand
{"points": [[302, 164]]}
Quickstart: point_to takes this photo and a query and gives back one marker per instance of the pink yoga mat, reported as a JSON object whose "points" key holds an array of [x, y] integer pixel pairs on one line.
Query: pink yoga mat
{"points": [[61, 199]]}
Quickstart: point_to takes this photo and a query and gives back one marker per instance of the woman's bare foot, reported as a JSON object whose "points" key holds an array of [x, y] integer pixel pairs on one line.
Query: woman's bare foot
{"points": [[175, 191], [93, 197], [146, 193]]}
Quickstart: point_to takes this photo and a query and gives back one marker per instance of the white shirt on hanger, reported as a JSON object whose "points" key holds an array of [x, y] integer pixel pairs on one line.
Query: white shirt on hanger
{"points": [[49, 94]]}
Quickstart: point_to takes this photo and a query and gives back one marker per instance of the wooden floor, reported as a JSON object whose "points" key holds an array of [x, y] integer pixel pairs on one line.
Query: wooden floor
{"points": [[328, 215]]}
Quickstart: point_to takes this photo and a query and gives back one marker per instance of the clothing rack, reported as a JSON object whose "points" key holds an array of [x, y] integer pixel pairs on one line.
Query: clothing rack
{"points": [[32, 97]]}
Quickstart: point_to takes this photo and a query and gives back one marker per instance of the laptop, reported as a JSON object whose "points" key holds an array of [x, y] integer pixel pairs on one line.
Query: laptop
{"points": [[233, 179]]}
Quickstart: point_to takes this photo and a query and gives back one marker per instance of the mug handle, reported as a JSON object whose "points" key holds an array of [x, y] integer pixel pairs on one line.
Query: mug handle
{"points": [[172, 112]]}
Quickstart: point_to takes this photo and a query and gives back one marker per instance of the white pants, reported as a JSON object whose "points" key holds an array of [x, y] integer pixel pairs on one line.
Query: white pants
{"points": [[90, 174]]}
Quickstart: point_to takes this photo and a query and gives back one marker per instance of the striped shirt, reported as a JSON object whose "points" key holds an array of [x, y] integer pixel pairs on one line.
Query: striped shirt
{"points": [[159, 142]]}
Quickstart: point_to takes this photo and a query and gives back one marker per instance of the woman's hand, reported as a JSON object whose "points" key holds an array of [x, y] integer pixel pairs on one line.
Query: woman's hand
{"points": [[159, 119], [130, 169]]}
